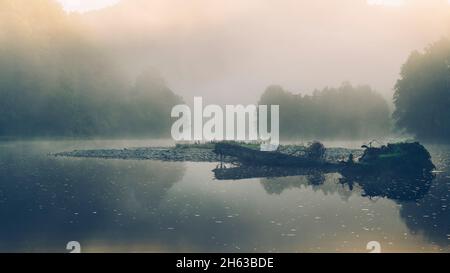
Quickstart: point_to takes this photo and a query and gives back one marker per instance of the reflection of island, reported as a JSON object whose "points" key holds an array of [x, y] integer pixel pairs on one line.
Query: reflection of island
{"points": [[424, 199], [278, 185], [398, 188], [402, 187], [431, 214]]}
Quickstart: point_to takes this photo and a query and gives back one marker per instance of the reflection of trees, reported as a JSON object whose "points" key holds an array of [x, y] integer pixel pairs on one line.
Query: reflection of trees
{"points": [[316, 178], [398, 188], [424, 84], [430, 215], [425, 203], [278, 185], [424, 200], [316, 181], [73, 198]]}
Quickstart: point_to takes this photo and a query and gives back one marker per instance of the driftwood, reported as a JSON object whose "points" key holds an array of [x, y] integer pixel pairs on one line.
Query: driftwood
{"points": [[251, 157], [399, 165]]}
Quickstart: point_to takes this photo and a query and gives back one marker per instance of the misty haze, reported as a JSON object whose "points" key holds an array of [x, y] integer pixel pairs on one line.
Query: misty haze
{"points": [[87, 90]]}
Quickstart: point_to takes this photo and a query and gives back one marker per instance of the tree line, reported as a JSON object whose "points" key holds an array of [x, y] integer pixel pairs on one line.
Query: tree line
{"points": [[345, 112], [56, 81]]}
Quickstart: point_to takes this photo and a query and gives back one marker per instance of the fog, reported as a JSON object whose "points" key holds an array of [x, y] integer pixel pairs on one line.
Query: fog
{"points": [[119, 70], [230, 51]]}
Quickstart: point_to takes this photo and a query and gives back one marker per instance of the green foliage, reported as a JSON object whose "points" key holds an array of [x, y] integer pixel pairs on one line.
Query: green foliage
{"points": [[405, 158], [346, 112], [422, 94]]}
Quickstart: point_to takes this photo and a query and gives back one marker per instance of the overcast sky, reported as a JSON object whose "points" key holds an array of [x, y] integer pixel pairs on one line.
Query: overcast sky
{"points": [[229, 50], [86, 5]]}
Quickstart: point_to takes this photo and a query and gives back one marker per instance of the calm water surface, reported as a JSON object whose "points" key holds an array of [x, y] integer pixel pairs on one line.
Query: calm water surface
{"points": [[151, 206]]}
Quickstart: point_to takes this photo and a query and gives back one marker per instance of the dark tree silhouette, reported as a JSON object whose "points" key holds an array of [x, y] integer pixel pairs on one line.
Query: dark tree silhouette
{"points": [[422, 94], [55, 81], [346, 112]]}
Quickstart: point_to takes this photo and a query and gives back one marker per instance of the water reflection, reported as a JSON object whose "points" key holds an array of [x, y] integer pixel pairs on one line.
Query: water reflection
{"points": [[423, 200], [394, 188], [430, 215], [127, 205], [46, 201], [316, 181], [400, 187]]}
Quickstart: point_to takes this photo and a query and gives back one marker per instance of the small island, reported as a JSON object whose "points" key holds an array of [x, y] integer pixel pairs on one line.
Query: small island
{"points": [[398, 159]]}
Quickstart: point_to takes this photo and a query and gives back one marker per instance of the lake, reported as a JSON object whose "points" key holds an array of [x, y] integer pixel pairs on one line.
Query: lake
{"points": [[113, 205]]}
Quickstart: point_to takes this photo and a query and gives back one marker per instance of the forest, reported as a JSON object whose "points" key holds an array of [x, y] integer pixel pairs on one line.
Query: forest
{"points": [[345, 112], [422, 94], [57, 81]]}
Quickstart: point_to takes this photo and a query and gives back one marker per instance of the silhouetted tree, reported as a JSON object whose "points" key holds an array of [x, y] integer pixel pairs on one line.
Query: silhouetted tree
{"points": [[422, 94], [344, 112]]}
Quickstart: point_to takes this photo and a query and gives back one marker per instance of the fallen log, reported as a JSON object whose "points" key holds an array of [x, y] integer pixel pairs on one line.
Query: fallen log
{"points": [[248, 156]]}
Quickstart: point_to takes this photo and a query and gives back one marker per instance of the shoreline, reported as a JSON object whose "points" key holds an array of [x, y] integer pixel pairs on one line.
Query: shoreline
{"points": [[183, 154]]}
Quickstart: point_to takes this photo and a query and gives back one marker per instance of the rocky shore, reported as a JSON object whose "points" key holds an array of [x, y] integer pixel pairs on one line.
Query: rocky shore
{"points": [[180, 154]]}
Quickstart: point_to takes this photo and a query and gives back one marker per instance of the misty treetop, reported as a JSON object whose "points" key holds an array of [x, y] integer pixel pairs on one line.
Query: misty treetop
{"points": [[422, 94], [55, 81], [345, 112]]}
